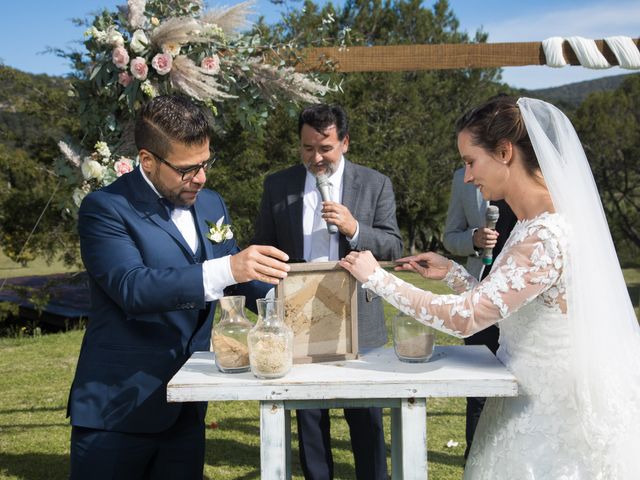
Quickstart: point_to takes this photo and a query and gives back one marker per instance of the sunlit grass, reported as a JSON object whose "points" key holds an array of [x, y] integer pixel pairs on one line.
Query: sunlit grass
{"points": [[34, 430]]}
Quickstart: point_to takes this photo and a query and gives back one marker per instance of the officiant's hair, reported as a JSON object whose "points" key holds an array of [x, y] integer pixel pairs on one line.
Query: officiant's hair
{"points": [[170, 118], [496, 120], [322, 116]]}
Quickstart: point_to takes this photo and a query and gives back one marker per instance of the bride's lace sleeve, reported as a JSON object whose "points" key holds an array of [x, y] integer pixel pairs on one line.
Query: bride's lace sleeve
{"points": [[529, 266], [458, 279]]}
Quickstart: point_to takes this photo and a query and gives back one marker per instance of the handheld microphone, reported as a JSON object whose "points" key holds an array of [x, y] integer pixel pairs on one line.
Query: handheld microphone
{"points": [[491, 218], [324, 186]]}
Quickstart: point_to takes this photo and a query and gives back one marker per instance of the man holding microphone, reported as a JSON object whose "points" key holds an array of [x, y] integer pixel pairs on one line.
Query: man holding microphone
{"points": [[477, 229], [299, 206]]}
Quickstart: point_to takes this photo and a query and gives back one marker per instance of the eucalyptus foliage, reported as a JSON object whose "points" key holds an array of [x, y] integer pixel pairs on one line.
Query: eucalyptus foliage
{"points": [[155, 47]]}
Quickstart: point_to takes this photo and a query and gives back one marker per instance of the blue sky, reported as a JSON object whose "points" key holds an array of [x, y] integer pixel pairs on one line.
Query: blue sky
{"points": [[27, 27]]}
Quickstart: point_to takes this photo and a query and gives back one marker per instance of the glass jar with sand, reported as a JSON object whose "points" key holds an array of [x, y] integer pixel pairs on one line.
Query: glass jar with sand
{"points": [[270, 341], [412, 341], [229, 336]]}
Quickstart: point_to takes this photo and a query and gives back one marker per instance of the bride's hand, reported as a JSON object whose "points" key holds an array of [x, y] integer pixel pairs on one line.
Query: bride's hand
{"points": [[360, 264], [429, 265]]}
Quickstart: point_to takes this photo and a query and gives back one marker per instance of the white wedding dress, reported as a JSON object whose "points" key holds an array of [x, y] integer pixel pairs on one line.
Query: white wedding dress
{"points": [[536, 435]]}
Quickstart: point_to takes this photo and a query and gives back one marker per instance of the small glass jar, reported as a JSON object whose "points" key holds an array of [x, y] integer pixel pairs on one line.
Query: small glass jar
{"points": [[413, 341], [270, 341], [230, 336]]}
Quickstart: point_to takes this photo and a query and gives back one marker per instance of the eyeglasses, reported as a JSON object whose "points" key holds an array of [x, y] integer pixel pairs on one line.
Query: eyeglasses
{"points": [[189, 172]]}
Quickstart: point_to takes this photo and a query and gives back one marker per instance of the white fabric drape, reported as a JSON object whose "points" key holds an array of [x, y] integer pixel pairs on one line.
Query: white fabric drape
{"points": [[604, 328], [623, 48]]}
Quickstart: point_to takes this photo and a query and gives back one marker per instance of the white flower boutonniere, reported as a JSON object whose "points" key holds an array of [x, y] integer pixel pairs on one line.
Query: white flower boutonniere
{"points": [[219, 231]]}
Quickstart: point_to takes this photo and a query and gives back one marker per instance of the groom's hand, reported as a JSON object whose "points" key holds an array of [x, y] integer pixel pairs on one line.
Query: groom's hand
{"points": [[259, 262]]}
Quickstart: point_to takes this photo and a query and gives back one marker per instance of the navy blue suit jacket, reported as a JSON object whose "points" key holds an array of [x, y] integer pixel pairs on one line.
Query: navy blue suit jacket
{"points": [[148, 312]]}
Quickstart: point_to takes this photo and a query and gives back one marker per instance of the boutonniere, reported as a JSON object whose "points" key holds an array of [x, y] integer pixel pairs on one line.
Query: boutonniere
{"points": [[219, 231]]}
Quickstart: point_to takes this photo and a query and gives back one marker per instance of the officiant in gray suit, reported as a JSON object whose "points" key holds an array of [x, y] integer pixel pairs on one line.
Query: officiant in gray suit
{"points": [[294, 219], [465, 234]]}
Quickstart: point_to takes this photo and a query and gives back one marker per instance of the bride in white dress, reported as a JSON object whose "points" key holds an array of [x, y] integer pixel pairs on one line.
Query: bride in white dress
{"points": [[568, 331]]}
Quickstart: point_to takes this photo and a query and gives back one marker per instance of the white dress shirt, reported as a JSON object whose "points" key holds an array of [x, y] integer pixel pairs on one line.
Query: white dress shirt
{"points": [[216, 273], [312, 213]]}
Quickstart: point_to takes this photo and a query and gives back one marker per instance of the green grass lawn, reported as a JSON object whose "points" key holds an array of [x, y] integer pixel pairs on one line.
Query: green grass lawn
{"points": [[34, 431], [11, 269]]}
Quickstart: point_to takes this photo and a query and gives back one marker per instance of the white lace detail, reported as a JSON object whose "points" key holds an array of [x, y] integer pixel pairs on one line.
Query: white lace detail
{"points": [[529, 269], [537, 435], [458, 279]]}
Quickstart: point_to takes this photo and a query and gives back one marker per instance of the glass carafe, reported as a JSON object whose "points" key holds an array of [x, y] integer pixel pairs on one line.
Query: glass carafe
{"points": [[230, 336], [270, 341], [412, 341]]}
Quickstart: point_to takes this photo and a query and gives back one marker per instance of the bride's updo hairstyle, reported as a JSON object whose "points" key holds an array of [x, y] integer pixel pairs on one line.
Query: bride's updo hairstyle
{"points": [[496, 120]]}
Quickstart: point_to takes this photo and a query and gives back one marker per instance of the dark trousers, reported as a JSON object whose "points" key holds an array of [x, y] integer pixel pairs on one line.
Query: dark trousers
{"points": [[488, 337], [367, 443], [174, 454]]}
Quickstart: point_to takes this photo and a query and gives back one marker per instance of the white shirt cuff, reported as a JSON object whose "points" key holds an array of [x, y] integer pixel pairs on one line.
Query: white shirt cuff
{"points": [[216, 276], [353, 241], [476, 251]]}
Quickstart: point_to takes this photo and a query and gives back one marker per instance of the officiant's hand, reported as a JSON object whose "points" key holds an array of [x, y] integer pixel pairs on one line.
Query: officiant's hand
{"points": [[429, 265], [259, 262], [340, 216]]}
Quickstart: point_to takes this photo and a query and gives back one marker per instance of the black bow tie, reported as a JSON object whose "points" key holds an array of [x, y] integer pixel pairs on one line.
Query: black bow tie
{"points": [[170, 206]]}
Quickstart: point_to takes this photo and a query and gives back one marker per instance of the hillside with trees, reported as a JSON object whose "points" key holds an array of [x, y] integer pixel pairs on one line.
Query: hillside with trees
{"points": [[572, 95], [401, 124], [35, 113]]}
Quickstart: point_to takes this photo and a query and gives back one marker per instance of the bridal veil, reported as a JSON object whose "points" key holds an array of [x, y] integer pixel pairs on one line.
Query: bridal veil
{"points": [[604, 328]]}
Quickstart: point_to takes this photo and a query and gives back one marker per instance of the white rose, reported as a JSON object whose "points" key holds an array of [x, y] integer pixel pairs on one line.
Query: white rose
{"points": [[216, 237], [228, 234], [102, 149], [139, 41], [114, 37], [78, 196], [148, 89], [172, 49], [92, 169], [99, 35]]}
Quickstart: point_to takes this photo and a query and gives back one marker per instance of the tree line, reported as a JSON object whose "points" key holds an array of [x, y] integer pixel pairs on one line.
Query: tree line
{"points": [[401, 124]]}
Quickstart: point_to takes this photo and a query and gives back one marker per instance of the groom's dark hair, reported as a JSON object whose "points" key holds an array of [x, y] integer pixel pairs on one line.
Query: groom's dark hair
{"points": [[170, 118], [321, 116]]}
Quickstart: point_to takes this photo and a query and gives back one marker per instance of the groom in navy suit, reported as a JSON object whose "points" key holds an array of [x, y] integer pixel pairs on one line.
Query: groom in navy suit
{"points": [[154, 280]]}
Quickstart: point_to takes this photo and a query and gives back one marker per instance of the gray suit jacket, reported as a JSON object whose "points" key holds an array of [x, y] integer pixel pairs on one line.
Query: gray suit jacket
{"points": [[466, 213], [369, 197]]}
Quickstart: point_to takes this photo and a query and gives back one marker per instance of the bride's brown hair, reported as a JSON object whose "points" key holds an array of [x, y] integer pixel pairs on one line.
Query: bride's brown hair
{"points": [[496, 120]]}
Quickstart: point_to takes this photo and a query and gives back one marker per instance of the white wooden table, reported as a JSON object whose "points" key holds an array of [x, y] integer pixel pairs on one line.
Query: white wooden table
{"points": [[376, 379]]}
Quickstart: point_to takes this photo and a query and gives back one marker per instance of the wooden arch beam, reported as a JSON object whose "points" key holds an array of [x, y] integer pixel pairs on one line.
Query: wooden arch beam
{"points": [[396, 58]]}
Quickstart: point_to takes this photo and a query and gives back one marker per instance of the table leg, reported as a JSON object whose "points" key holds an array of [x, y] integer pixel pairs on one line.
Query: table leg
{"points": [[287, 442], [274, 441], [409, 440]]}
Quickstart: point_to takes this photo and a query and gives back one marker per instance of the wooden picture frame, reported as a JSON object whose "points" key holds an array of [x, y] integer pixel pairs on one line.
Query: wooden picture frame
{"points": [[321, 306]]}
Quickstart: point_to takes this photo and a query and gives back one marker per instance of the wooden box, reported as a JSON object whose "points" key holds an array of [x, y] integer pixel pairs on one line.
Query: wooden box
{"points": [[321, 307]]}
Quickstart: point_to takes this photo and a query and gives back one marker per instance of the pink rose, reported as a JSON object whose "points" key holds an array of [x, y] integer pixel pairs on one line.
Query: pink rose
{"points": [[122, 166], [120, 57], [139, 68], [162, 63], [124, 79], [211, 64]]}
